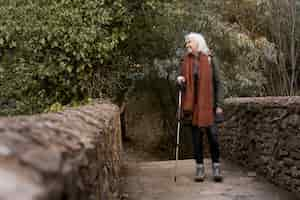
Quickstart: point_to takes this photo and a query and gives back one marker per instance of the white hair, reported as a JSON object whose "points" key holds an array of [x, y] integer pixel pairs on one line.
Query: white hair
{"points": [[201, 43]]}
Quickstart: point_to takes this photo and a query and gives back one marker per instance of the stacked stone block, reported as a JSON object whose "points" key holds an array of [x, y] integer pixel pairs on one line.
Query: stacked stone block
{"points": [[263, 134], [74, 154]]}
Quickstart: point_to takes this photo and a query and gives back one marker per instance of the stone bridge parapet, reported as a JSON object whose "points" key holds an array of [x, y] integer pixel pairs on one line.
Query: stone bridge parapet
{"points": [[263, 134], [74, 154]]}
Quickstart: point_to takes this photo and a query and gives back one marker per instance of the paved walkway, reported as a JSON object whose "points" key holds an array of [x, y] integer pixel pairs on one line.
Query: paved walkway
{"points": [[155, 181]]}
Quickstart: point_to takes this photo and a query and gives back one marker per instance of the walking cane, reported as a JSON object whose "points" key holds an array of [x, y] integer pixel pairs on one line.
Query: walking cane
{"points": [[178, 130]]}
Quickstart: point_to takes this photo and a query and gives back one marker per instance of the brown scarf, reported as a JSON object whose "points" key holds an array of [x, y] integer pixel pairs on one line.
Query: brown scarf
{"points": [[201, 107]]}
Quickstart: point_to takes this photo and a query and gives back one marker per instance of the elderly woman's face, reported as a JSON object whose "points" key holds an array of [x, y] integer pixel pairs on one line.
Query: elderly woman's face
{"points": [[191, 45]]}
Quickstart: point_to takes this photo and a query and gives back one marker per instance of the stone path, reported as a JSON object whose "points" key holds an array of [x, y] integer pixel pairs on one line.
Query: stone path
{"points": [[155, 181]]}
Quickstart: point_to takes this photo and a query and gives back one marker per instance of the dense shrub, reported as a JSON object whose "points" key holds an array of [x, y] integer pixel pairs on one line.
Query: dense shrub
{"points": [[59, 51], [50, 49], [256, 41], [278, 21]]}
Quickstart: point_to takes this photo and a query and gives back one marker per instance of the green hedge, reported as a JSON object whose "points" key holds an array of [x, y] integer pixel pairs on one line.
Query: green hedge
{"points": [[57, 52], [50, 49]]}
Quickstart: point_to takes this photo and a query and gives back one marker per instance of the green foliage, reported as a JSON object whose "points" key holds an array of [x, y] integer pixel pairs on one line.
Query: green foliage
{"points": [[55, 107], [256, 41], [49, 50], [277, 21], [62, 51], [153, 30], [250, 15]]}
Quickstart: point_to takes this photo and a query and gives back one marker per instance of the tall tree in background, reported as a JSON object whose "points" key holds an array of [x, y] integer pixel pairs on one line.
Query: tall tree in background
{"points": [[284, 20]]}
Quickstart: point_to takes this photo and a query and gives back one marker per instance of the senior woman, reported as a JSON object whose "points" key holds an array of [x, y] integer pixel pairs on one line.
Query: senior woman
{"points": [[201, 100]]}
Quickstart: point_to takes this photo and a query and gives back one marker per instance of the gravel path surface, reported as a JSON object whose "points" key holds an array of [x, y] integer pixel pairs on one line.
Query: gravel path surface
{"points": [[154, 180]]}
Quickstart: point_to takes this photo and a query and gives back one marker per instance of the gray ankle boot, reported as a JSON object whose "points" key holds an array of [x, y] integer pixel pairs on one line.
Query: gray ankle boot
{"points": [[200, 175], [217, 172]]}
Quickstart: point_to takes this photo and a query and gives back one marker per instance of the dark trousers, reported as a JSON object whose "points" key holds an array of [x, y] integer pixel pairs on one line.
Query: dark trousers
{"points": [[212, 135]]}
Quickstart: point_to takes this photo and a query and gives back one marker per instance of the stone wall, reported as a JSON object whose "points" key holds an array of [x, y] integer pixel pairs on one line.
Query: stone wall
{"points": [[263, 134], [74, 154]]}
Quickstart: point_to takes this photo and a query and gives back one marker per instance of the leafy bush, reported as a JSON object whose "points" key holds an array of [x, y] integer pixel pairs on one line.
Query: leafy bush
{"points": [[257, 42], [49, 49], [55, 52], [278, 22]]}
